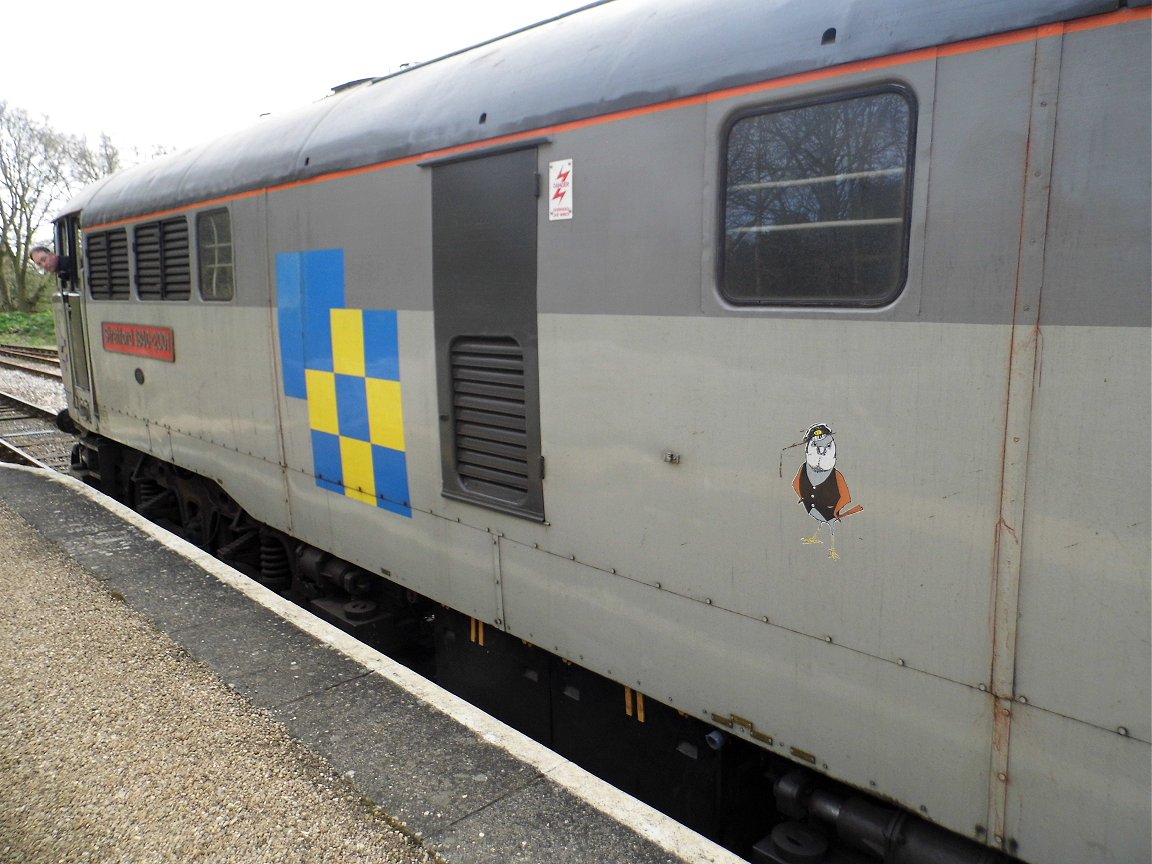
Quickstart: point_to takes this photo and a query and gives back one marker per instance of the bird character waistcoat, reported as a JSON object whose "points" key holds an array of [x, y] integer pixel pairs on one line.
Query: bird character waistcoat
{"points": [[827, 498]]}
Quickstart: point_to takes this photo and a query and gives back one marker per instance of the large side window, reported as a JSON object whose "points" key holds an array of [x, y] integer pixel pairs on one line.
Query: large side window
{"points": [[107, 265], [214, 253], [816, 202], [163, 268]]}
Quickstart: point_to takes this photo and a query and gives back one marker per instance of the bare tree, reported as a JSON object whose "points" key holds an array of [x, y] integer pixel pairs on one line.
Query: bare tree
{"points": [[32, 171], [39, 168], [89, 165]]}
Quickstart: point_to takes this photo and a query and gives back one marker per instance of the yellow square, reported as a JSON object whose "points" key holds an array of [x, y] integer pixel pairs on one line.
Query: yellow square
{"points": [[348, 341], [359, 478], [322, 401], [385, 414]]}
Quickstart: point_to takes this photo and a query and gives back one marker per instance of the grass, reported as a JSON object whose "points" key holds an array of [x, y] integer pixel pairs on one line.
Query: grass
{"points": [[28, 328]]}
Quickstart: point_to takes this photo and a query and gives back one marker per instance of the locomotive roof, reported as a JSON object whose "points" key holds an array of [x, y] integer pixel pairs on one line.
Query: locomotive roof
{"points": [[606, 57]]}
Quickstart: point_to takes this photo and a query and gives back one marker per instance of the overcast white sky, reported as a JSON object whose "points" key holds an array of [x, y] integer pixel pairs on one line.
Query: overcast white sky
{"points": [[174, 75]]}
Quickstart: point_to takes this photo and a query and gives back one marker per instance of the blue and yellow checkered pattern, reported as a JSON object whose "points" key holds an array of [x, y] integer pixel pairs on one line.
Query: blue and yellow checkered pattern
{"points": [[346, 364]]}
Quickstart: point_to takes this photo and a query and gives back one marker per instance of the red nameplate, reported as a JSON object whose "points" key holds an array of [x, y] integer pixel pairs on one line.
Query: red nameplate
{"points": [[158, 343]]}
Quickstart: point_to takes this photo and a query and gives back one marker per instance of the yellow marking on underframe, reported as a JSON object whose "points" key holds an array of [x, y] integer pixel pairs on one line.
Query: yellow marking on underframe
{"points": [[804, 754], [638, 700]]}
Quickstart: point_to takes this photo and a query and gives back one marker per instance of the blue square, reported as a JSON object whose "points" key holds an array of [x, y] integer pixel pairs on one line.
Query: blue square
{"points": [[391, 469], [308, 286], [290, 311], [352, 407], [381, 344], [327, 462], [322, 274]]}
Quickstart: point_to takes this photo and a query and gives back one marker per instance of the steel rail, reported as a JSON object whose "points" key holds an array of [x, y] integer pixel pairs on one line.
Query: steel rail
{"points": [[55, 373], [29, 435]]}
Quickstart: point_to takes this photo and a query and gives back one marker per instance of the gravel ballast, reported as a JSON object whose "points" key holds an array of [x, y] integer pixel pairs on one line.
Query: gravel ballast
{"points": [[117, 746], [38, 390]]}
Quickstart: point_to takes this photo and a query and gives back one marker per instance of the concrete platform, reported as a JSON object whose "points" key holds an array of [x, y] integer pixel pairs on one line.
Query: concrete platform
{"points": [[469, 786]]}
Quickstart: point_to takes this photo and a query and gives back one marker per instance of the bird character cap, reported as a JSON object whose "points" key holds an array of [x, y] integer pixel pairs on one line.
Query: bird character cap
{"points": [[817, 432]]}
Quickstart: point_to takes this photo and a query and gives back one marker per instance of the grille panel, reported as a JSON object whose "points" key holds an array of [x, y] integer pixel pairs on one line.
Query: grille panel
{"points": [[177, 263], [149, 284], [108, 265], [163, 266], [489, 417]]}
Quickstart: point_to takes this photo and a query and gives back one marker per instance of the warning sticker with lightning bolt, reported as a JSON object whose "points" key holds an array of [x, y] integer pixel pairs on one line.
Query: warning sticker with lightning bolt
{"points": [[560, 190]]}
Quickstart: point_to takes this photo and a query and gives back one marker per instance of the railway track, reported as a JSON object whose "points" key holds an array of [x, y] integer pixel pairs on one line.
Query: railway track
{"points": [[43, 362], [29, 436]]}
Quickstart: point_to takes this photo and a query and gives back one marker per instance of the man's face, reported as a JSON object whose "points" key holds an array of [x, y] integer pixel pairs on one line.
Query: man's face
{"points": [[46, 260]]}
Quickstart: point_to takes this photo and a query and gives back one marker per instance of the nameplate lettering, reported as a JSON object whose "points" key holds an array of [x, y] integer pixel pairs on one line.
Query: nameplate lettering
{"points": [[159, 343]]}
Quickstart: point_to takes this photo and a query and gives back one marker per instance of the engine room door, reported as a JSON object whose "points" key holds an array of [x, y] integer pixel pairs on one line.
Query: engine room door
{"points": [[70, 315], [484, 213]]}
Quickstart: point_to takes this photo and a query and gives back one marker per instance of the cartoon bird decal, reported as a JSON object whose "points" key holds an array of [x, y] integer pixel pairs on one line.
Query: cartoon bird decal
{"points": [[821, 489]]}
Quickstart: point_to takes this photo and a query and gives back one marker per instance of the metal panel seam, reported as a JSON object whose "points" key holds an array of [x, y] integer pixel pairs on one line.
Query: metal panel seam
{"points": [[1022, 373]]}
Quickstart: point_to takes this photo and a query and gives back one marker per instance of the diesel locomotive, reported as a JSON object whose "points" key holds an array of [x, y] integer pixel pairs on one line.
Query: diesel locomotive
{"points": [[748, 398]]}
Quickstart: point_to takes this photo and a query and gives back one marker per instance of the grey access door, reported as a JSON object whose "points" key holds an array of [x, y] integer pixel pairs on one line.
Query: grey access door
{"points": [[71, 312], [484, 302]]}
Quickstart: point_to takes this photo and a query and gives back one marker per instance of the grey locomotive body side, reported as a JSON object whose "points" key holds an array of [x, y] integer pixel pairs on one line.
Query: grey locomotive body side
{"points": [[978, 652]]}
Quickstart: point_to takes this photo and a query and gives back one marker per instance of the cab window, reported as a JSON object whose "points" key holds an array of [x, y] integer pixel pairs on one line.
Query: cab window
{"points": [[214, 252]]}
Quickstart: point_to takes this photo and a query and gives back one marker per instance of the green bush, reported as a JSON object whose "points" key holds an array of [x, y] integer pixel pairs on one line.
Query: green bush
{"points": [[27, 328]]}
